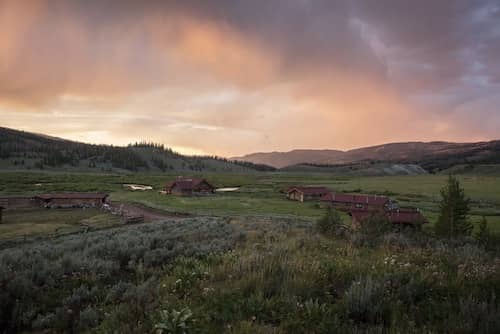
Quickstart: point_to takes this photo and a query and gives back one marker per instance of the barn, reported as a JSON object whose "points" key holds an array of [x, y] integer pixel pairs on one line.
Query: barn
{"points": [[184, 186], [302, 194], [347, 202], [400, 216], [71, 200]]}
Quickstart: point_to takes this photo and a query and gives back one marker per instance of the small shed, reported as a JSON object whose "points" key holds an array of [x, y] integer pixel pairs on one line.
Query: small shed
{"points": [[186, 186], [72, 200], [302, 194]]}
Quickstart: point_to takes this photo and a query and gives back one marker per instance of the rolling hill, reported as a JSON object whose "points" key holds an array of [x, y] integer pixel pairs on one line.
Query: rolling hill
{"points": [[432, 156], [25, 150]]}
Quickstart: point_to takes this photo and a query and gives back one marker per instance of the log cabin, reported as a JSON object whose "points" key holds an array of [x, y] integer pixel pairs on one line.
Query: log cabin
{"points": [[185, 186], [348, 202], [302, 194], [401, 216]]}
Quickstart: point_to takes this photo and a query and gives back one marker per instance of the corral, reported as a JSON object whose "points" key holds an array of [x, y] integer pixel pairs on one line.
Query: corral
{"points": [[71, 200]]}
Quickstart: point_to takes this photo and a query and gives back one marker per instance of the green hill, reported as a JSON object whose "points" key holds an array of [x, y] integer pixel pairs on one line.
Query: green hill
{"points": [[25, 150]]}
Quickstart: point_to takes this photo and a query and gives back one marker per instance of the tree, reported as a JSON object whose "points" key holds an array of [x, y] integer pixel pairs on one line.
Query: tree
{"points": [[453, 211], [330, 223], [483, 235]]}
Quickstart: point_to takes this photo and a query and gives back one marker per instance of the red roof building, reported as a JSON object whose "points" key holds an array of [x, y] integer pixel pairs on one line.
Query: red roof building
{"points": [[184, 186], [347, 202], [405, 216], [302, 194]]}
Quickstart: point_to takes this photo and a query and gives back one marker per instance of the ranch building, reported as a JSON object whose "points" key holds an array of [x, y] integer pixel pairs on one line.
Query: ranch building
{"points": [[184, 186], [302, 194], [347, 202], [401, 217]]}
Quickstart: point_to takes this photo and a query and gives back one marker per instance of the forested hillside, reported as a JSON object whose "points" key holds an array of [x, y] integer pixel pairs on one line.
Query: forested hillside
{"points": [[24, 150]]}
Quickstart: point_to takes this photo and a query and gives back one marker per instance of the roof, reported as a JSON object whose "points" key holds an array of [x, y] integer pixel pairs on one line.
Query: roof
{"points": [[72, 196], [355, 198], [406, 216], [310, 190], [184, 183], [398, 216]]}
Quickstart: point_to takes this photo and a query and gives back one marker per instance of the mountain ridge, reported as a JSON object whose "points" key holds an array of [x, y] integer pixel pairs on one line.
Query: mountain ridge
{"points": [[27, 150], [434, 154]]}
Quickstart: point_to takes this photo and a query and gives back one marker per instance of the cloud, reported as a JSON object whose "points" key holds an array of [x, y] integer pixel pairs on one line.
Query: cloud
{"points": [[231, 76]]}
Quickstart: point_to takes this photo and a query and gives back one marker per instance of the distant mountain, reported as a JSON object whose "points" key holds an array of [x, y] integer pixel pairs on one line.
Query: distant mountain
{"points": [[432, 156], [295, 157], [25, 150]]}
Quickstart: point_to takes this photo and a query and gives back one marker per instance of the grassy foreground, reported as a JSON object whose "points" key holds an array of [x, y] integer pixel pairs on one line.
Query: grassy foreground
{"points": [[248, 275]]}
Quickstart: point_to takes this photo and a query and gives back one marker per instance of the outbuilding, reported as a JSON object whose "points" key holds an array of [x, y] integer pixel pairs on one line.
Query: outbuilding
{"points": [[401, 216], [302, 194], [187, 186], [347, 202]]}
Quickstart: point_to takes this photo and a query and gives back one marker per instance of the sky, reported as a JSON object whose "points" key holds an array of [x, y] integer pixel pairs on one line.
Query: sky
{"points": [[230, 77]]}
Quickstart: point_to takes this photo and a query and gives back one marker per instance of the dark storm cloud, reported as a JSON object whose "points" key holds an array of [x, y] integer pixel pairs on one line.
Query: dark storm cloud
{"points": [[428, 63]]}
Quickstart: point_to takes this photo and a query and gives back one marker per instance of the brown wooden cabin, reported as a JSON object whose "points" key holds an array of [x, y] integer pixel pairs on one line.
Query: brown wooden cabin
{"points": [[18, 202], [348, 202], [302, 194], [71, 200], [185, 186], [401, 216]]}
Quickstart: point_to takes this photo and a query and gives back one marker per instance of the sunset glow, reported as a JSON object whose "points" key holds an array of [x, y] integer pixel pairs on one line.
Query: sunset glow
{"points": [[233, 77]]}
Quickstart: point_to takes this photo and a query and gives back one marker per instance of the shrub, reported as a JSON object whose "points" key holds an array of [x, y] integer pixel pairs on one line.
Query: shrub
{"points": [[371, 230], [331, 223], [175, 322], [363, 300]]}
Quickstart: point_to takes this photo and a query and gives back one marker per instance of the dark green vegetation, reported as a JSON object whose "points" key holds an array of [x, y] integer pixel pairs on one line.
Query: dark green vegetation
{"points": [[453, 211], [249, 275], [24, 150], [254, 263]]}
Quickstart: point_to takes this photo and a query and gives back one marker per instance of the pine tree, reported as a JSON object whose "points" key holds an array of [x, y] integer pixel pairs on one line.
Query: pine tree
{"points": [[483, 235], [453, 211]]}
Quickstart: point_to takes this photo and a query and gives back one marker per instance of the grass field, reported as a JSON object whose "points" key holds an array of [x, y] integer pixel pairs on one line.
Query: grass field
{"points": [[260, 195], [26, 224]]}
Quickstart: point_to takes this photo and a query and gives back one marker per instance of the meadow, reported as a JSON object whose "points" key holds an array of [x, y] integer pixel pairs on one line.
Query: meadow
{"points": [[260, 193]]}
